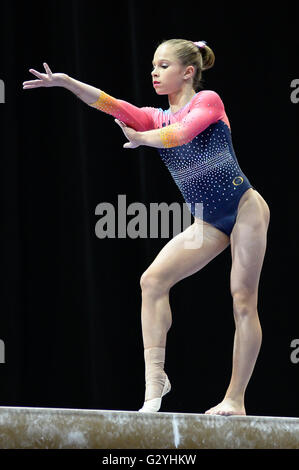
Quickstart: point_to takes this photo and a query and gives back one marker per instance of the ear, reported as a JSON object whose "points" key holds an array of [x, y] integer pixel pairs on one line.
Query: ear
{"points": [[189, 72]]}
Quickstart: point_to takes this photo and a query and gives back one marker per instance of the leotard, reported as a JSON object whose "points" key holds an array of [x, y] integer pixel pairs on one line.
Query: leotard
{"points": [[196, 147]]}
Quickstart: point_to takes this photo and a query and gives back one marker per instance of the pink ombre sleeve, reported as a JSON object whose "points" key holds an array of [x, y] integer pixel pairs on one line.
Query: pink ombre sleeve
{"points": [[140, 119], [206, 109]]}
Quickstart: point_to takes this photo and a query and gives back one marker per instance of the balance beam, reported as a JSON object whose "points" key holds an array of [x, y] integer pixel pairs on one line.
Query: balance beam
{"points": [[63, 428]]}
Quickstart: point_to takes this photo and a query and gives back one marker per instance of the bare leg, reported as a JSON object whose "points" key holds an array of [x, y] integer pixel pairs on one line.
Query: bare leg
{"points": [[248, 245], [156, 317], [173, 263]]}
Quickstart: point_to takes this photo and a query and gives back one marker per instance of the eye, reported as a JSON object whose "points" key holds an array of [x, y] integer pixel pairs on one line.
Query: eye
{"points": [[164, 66]]}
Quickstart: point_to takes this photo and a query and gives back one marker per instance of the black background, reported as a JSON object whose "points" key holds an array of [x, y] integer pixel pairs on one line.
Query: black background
{"points": [[70, 302]]}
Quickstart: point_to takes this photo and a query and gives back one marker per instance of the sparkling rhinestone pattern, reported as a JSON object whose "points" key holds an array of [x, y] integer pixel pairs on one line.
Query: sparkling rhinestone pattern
{"points": [[107, 104], [171, 136], [206, 171], [139, 119]]}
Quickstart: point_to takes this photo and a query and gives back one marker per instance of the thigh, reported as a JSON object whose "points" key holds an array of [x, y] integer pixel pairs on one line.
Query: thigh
{"points": [[179, 258], [248, 242]]}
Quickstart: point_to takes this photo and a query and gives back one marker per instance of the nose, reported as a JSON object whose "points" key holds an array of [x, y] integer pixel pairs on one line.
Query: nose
{"points": [[154, 73]]}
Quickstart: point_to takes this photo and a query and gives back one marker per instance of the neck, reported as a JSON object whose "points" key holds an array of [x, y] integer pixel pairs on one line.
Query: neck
{"points": [[178, 99]]}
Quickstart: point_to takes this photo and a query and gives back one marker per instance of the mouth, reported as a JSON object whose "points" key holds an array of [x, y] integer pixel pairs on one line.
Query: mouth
{"points": [[156, 83]]}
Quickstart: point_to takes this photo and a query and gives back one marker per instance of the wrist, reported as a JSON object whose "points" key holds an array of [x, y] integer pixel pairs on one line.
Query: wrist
{"points": [[150, 138], [141, 138], [66, 82]]}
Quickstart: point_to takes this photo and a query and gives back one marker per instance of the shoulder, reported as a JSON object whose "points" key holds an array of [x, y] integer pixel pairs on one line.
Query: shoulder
{"points": [[208, 97]]}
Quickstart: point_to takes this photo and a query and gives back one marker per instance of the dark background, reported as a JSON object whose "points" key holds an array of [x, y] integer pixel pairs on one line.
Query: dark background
{"points": [[71, 302]]}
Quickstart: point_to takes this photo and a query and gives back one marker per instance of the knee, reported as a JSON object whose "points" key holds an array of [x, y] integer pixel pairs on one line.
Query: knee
{"points": [[266, 214], [244, 303], [152, 284], [264, 219]]}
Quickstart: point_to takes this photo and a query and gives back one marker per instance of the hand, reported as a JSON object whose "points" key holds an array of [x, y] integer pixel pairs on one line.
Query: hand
{"points": [[48, 79], [132, 135]]}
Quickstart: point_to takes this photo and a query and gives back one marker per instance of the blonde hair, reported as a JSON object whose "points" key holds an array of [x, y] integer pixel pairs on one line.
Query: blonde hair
{"points": [[202, 58]]}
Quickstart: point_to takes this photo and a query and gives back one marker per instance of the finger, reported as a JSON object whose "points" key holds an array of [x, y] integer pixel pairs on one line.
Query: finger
{"points": [[36, 73], [32, 82], [47, 69], [37, 83]]}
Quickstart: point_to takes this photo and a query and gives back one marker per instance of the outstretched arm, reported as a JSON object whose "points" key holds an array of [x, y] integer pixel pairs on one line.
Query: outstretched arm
{"points": [[137, 118]]}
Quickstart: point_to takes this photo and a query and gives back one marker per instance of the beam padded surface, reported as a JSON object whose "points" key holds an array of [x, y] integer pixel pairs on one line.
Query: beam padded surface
{"points": [[63, 428]]}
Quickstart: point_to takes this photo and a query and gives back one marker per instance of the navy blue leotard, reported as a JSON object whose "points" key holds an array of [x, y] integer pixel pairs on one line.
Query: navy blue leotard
{"points": [[206, 170]]}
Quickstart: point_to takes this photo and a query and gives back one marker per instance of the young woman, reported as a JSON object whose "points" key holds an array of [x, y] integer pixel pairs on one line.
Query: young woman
{"points": [[194, 140]]}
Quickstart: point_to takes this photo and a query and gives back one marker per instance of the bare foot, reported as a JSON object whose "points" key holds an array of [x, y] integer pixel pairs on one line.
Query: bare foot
{"points": [[227, 407]]}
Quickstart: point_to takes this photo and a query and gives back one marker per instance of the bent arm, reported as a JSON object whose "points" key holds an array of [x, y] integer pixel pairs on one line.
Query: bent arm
{"points": [[138, 118], [208, 109], [179, 133]]}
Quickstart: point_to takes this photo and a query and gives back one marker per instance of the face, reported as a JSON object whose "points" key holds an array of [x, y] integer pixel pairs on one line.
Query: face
{"points": [[168, 72]]}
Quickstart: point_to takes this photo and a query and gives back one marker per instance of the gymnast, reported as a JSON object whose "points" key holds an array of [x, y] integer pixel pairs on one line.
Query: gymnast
{"points": [[193, 138]]}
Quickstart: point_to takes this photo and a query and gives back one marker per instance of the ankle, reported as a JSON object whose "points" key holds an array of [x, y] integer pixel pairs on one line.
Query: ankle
{"points": [[154, 372], [154, 356], [235, 397]]}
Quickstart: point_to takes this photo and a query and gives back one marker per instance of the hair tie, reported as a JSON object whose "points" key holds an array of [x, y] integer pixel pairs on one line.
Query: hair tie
{"points": [[200, 44]]}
